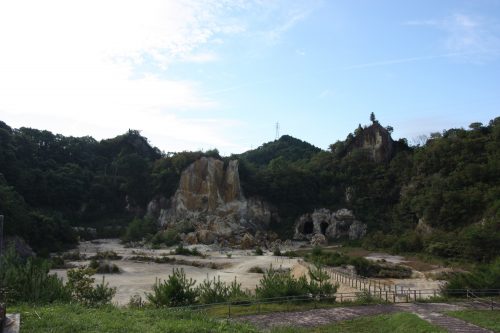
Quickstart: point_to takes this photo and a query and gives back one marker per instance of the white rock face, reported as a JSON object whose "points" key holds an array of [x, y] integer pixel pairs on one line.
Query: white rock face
{"points": [[331, 225], [210, 199]]}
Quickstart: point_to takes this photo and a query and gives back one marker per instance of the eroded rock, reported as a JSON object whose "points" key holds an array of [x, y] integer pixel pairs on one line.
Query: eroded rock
{"points": [[330, 225], [210, 200]]}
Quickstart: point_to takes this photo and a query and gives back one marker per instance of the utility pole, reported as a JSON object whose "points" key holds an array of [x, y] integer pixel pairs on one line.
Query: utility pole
{"points": [[277, 131]]}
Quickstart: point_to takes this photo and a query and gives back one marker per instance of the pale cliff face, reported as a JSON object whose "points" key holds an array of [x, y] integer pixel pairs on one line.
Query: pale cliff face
{"points": [[209, 197], [205, 185]]}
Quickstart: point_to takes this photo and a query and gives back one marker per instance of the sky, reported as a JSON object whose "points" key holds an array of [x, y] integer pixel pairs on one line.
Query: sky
{"points": [[198, 75]]}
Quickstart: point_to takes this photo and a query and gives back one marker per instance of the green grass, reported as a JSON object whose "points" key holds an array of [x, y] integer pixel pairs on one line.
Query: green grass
{"points": [[484, 318], [72, 318], [222, 311], [392, 323]]}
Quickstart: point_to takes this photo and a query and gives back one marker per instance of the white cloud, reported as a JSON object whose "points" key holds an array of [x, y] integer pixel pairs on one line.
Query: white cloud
{"points": [[101, 67], [471, 38], [71, 67]]}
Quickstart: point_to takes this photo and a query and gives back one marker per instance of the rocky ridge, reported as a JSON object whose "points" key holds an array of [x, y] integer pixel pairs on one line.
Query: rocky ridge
{"points": [[210, 202]]}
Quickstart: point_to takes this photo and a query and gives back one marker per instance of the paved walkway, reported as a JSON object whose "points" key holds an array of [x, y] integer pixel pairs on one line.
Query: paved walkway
{"points": [[431, 312]]}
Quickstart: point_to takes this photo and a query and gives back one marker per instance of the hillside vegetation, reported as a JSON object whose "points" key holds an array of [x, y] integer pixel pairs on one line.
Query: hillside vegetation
{"points": [[441, 197]]}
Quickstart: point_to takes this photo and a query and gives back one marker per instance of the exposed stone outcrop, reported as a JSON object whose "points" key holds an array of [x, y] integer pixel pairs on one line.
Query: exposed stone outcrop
{"points": [[330, 225], [375, 140], [210, 200]]}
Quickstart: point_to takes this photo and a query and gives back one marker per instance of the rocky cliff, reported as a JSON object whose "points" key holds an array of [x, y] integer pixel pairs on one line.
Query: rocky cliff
{"points": [[375, 140], [209, 200], [323, 225]]}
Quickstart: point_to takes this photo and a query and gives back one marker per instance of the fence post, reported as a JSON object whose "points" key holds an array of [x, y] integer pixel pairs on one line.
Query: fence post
{"points": [[341, 298], [491, 304], [415, 295], [394, 297], [386, 295]]}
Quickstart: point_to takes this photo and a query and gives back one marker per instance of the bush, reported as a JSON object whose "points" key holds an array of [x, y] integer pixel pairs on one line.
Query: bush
{"points": [[217, 291], [277, 252], [136, 302], [168, 237], [73, 256], [177, 290], [106, 255], [276, 283], [80, 284], [139, 229], [485, 276], [258, 251], [28, 280], [256, 269], [104, 267], [320, 281], [181, 250]]}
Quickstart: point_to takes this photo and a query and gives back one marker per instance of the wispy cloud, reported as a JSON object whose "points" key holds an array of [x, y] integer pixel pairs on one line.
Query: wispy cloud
{"points": [[77, 67], [405, 60], [470, 37]]}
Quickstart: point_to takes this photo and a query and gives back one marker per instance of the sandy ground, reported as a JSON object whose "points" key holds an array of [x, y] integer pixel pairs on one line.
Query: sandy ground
{"points": [[138, 277]]}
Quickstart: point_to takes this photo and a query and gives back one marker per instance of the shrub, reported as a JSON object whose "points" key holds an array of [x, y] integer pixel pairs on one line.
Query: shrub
{"points": [[106, 255], [256, 269], [139, 229], [290, 254], [258, 251], [104, 267], [28, 280], [136, 302], [181, 250], [320, 281], [177, 290], [73, 256], [213, 291], [80, 284], [168, 237], [486, 276], [277, 252], [280, 283]]}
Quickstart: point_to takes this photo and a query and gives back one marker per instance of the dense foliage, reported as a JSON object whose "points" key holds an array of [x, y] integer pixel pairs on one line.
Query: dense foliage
{"points": [[29, 280], [363, 267], [441, 197]]}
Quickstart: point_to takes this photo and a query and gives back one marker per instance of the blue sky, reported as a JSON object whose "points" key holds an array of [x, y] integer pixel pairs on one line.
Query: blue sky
{"points": [[219, 74]]}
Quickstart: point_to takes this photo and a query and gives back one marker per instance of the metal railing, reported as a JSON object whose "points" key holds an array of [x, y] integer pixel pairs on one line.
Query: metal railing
{"points": [[472, 295], [290, 303]]}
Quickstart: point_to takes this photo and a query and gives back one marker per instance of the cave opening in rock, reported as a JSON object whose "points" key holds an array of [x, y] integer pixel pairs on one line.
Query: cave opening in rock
{"points": [[323, 227], [308, 228]]}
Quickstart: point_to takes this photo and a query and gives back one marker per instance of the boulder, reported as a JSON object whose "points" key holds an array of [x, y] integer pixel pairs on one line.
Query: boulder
{"points": [[247, 241], [205, 236], [318, 240], [191, 238]]}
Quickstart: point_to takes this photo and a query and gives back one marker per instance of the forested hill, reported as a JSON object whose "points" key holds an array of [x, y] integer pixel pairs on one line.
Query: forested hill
{"points": [[442, 197]]}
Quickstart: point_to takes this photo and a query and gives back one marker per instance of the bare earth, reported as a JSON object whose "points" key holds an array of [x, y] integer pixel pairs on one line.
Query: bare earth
{"points": [[138, 277]]}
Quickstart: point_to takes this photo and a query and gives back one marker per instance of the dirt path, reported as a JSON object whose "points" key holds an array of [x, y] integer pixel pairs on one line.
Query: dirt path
{"points": [[431, 312]]}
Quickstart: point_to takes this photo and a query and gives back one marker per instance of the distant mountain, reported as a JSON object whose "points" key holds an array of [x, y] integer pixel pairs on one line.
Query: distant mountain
{"points": [[287, 147]]}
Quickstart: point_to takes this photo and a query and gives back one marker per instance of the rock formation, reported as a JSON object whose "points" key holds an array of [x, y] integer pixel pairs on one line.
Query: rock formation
{"points": [[210, 200], [331, 225], [375, 140]]}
